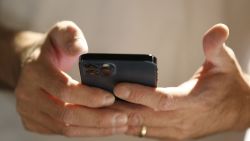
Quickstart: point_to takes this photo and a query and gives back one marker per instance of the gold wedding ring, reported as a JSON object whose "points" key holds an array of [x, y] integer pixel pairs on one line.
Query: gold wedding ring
{"points": [[143, 131]]}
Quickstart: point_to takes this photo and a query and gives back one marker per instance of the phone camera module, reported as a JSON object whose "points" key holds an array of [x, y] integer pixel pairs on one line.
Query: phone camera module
{"points": [[91, 69], [107, 69]]}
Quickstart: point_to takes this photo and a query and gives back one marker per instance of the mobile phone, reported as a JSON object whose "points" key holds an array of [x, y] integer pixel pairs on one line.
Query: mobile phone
{"points": [[106, 70]]}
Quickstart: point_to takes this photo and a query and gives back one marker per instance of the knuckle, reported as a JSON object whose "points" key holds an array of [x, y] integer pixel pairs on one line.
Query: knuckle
{"points": [[66, 115], [102, 122], [68, 131], [165, 103], [63, 92], [135, 119]]}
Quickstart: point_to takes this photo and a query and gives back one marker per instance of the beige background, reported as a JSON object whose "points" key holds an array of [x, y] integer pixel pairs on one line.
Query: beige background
{"points": [[170, 29]]}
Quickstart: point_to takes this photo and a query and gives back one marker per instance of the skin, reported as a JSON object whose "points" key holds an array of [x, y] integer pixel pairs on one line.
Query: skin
{"points": [[216, 99], [47, 99]]}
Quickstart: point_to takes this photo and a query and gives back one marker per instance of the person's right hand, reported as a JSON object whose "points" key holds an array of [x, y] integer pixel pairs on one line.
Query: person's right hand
{"points": [[49, 101]]}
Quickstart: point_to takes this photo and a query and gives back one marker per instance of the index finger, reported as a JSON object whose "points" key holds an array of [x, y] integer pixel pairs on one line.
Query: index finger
{"points": [[64, 88], [155, 98]]}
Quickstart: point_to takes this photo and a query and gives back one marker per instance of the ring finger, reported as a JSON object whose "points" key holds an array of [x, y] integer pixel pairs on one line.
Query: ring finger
{"points": [[156, 132]]}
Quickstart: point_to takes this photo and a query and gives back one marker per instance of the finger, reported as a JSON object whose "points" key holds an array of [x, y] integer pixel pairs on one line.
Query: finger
{"points": [[162, 99], [81, 116], [64, 44], [34, 126], [139, 115], [76, 115], [72, 131], [66, 89], [159, 133], [47, 127], [216, 52], [213, 41], [31, 110]]}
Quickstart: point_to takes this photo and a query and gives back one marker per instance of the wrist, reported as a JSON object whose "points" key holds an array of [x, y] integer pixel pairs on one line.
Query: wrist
{"points": [[14, 48], [28, 46]]}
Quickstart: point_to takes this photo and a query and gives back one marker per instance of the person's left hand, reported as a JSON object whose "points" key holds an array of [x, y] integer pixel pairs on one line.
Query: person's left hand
{"points": [[214, 100]]}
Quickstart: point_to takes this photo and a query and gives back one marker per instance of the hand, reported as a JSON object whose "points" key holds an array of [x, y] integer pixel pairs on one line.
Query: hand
{"points": [[49, 101], [215, 99]]}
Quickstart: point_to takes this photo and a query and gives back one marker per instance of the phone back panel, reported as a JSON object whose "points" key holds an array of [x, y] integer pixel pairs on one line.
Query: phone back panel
{"points": [[106, 74]]}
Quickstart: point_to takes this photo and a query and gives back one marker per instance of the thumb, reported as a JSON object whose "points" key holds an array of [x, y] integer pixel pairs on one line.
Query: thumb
{"points": [[214, 42], [63, 45]]}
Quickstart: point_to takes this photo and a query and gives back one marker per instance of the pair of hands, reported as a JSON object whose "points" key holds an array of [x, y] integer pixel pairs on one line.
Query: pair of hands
{"points": [[49, 101]]}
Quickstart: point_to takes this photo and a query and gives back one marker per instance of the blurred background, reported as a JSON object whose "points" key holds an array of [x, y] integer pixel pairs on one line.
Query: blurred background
{"points": [[169, 29]]}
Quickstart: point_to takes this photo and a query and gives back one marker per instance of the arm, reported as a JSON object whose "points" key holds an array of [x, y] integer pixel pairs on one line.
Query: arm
{"points": [[14, 47]]}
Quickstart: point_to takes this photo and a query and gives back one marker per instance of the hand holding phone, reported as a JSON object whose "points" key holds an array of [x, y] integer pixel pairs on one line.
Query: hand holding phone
{"points": [[106, 70]]}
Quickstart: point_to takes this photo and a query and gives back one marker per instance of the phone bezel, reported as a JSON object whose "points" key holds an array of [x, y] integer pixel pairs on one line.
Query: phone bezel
{"points": [[120, 57]]}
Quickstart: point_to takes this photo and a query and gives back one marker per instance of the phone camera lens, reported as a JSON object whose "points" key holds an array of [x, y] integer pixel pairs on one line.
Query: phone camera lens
{"points": [[91, 69], [107, 69]]}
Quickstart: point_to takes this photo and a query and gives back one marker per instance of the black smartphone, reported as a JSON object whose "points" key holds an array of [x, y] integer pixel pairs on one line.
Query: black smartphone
{"points": [[106, 70]]}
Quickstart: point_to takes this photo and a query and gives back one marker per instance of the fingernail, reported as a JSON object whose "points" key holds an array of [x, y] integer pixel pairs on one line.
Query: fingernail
{"points": [[109, 99], [122, 92], [120, 119]]}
